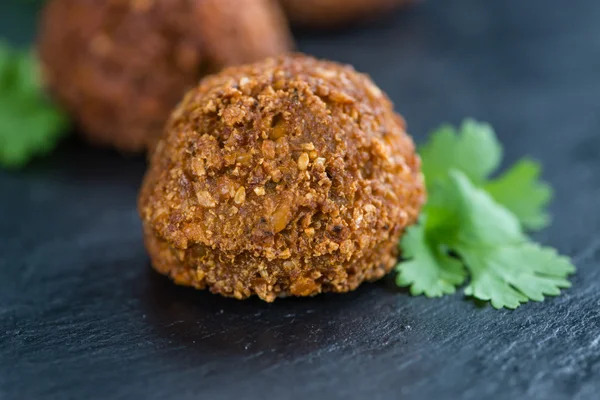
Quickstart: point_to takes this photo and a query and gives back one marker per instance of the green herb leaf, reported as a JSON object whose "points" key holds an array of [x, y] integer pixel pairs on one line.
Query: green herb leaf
{"points": [[482, 221], [505, 267], [523, 194], [473, 150], [513, 274], [30, 124], [429, 270], [473, 227]]}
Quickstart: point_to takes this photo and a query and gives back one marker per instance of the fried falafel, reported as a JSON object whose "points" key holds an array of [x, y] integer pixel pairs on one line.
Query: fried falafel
{"points": [[291, 176], [120, 66], [336, 13]]}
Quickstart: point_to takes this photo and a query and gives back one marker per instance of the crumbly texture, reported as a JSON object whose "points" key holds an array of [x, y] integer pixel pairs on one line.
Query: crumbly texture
{"points": [[336, 13], [291, 176], [120, 66]]}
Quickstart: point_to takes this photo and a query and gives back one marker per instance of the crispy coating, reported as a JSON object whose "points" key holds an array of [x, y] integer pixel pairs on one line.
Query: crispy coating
{"points": [[291, 176], [335, 13], [120, 66]]}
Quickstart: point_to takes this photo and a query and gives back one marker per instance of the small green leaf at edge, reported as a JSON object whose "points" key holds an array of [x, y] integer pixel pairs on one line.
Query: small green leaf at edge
{"points": [[474, 150], [428, 270], [519, 190], [30, 125], [527, 270]]}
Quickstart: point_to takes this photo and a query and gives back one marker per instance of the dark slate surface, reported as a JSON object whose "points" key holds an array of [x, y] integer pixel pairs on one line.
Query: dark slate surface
{"points": [[82, 316]]}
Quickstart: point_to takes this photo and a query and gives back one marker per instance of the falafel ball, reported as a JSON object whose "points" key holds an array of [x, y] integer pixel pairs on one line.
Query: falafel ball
{"points": [[120, 66], [291, 176], [336, 13]]}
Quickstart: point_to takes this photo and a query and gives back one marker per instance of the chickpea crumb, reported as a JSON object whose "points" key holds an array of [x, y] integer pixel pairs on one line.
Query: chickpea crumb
{"points": [[303, 161], [240, 195]]}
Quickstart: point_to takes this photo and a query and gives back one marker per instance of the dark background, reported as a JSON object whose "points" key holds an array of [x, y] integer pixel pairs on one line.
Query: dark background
{"points": [[82, 315]]}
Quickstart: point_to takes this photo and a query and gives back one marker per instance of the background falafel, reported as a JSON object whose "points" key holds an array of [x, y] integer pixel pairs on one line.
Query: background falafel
{"points": [[336, 13], [120, 66]]}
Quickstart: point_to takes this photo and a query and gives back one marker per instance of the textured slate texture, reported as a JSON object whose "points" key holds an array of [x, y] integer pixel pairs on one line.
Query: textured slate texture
{"points": [[82, 316]]}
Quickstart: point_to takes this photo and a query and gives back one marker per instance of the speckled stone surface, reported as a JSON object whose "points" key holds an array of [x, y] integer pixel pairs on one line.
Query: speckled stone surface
{"points": [[82, 315]]}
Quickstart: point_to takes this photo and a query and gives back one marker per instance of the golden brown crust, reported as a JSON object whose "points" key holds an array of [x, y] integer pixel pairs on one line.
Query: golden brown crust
{"points": [[290, 176], [335, 13], [120, 66]]}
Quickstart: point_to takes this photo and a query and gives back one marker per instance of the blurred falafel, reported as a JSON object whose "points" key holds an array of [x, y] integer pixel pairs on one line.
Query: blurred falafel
{"points": [[290, 176], [120, 66], [325, 14]]}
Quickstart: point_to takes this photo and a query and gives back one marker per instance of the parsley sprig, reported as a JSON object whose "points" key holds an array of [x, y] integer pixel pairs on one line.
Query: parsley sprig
{"points": [[30, 124], [472, 227]]}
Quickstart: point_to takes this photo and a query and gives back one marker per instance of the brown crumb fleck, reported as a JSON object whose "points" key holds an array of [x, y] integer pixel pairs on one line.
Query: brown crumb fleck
{"points": [[205, 199], [240, 195], [303, 161]]}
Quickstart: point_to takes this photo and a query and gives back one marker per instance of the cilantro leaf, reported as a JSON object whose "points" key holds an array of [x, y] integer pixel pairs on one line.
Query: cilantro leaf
{"points": [[504, 266], [429, 270], [474, 226], [30, 124], [508, 275], [523, 194], [482, 221], [474, 150]]}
